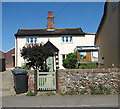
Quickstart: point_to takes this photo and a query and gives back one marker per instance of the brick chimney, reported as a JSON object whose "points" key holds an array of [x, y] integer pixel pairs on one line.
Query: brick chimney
{"points": [[50, 20]]}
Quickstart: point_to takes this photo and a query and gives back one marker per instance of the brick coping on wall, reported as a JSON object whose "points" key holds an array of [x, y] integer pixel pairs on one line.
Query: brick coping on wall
{"points": [[100, 70]]}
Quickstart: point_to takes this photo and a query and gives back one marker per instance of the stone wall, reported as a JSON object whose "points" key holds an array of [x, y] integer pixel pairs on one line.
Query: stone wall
{"points": [[79, 79]]}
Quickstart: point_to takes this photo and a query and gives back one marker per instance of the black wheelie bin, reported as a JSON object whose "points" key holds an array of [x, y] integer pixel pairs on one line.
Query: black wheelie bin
{"points": [[20, 80]]}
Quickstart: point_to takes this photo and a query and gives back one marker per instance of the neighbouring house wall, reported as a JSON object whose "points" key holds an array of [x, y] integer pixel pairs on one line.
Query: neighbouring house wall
{"points": [[119, 35], [2, 54], [64, 48], [10, 58], [107, 37], [2, 61], [2, 64], [79, 79]]}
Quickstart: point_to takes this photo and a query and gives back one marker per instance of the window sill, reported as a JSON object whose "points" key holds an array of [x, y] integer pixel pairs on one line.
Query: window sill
{"points": [[66, 42]]}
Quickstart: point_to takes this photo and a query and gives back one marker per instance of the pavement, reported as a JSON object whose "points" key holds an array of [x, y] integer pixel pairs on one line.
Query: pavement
{"points": [[7, 83], [61, 101], [10, 99]]}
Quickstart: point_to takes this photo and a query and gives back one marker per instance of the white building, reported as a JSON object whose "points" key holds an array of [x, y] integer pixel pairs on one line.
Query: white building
{"points": [[64, 40]]}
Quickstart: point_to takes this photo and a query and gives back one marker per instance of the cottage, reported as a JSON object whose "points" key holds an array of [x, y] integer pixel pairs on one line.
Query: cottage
{"points": [[62, 40]]}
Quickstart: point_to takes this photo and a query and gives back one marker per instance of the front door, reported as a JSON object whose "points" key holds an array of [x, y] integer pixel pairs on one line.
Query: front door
{"points": [[49, 64]]}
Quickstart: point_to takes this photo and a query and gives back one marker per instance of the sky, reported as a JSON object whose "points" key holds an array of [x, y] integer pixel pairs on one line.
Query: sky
{"points": [[15, 15]]}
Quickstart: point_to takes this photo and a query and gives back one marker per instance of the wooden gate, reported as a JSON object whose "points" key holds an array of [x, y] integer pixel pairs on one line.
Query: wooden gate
{"points": [[46, 80]]}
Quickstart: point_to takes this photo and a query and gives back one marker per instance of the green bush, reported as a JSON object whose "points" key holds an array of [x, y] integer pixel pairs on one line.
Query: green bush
{"points": [[88, 66], [24, 66], [30, 93], [70, 61]]}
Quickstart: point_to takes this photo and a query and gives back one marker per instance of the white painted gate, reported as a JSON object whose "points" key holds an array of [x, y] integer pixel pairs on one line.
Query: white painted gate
{"points": [[46, 80]]}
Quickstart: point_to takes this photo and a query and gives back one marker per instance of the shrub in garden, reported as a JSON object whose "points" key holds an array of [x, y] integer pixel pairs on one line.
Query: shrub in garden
{"points": [[88, 66], [70, 61], [35, 55]]}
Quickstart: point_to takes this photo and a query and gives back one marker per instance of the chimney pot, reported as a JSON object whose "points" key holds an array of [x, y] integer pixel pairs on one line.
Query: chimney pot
{"points": [[51, 13], [48, 13]]}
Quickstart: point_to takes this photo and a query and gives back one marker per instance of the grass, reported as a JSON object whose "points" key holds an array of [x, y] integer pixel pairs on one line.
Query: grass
{"points": [[50, 93], [69, 93], [30, 93]]}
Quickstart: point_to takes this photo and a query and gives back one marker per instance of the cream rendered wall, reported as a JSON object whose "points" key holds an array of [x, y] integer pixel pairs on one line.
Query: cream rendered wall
{"points": [[64, 48], [21, 41]]}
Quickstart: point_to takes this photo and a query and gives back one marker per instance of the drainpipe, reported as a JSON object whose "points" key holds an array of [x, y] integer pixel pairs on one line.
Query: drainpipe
{"points": [[16, 52]]}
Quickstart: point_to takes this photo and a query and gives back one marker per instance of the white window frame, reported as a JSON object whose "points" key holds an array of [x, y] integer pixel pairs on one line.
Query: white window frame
{"points": [[28, 40], [67, 39]]}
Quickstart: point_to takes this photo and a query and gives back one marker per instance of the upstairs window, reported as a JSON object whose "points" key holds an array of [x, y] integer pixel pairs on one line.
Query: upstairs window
{"points": [[67, 39], [113, 5], [31, 40]]}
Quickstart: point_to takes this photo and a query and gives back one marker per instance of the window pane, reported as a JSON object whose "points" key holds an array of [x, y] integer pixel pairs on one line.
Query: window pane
{"points": [[66, 38], [83, 55], [113, 5], [62, 38], [27, 40], [70, 38], [31, 40], [35, 40]]}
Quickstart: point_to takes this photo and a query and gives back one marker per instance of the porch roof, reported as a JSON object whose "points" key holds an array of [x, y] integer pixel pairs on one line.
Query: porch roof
{"points": [[51, 46]]}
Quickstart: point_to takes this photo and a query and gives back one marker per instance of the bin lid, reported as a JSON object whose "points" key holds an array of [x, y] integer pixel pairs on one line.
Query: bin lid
{"points": [[18, 71]]}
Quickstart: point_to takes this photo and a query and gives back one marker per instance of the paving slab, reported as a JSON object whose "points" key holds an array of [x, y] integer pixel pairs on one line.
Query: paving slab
{"points": [[61, 101], [7, 83]]}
